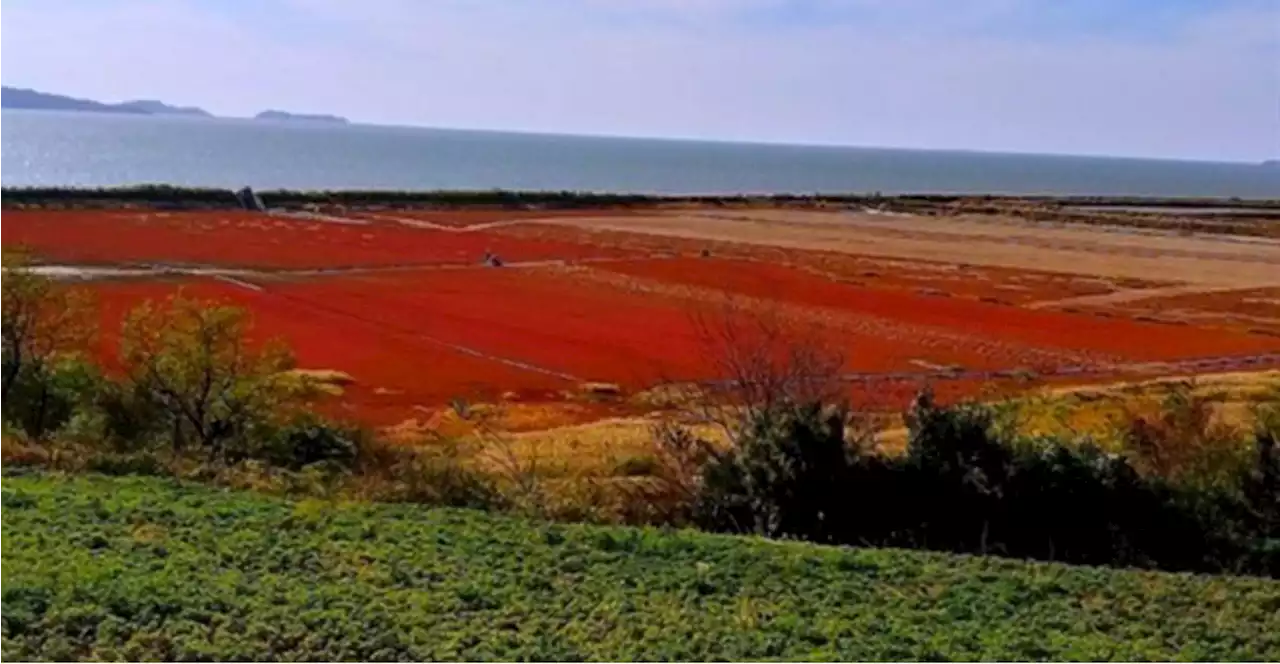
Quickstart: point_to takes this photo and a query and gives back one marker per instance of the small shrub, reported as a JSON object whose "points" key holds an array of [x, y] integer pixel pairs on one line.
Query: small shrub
{"points": [[433, 473], [45, 327], [1262, 484], [190, 362], [44, 396], [1184, 441], [308, 440], [959, 469], [125, 463], [782, 476], [17, 451], [126, 417]]}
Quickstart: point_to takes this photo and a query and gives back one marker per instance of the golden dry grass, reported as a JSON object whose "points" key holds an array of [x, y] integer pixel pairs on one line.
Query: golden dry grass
{"points": [[554, 441], [322, 381], [1098, 411]]}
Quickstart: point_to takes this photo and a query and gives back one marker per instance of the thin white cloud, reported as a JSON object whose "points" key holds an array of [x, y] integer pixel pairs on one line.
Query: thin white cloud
{"points": [[909, 73]]}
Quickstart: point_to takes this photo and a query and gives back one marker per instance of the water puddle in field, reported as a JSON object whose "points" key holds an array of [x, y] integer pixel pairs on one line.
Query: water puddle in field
{"points": [[92, 272], [98, 272], [69, 272], [307, 215]]}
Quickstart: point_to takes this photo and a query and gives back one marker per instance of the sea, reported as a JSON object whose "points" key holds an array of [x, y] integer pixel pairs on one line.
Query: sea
{"points": [[53, 148]]}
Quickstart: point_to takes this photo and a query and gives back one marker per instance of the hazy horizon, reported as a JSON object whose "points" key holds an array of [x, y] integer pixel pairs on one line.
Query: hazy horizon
{"points": [[1171, 79], [356, 122]]}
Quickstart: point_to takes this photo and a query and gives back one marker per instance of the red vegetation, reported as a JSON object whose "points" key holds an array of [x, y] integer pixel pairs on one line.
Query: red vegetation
{"points": [[397, 372], [593, 331], [588, 331], [1006, 285], [413, 339], [1125, 338], [247, 239]]}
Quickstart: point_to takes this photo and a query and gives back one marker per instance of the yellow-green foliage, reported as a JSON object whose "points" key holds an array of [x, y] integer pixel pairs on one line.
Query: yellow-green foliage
{"points": [[194, 360], [1102, 413]]}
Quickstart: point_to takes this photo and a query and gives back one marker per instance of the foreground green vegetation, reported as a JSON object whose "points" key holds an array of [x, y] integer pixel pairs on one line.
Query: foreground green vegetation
{"points": [[146, 568]]}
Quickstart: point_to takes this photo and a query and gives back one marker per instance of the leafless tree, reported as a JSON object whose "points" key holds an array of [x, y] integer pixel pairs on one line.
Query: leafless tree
{"points": [[764, 360]]}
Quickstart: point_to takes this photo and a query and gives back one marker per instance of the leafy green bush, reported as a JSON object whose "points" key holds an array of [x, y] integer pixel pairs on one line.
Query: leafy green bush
{"points": [[45, 328], [307, 440], [44, 396], [781, 476], [125, 417], [1262, 485], [190, 363], [434, 473]]}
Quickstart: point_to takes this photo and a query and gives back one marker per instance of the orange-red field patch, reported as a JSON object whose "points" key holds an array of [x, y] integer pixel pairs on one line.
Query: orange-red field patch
{"points": [[248, 239], [398, 373], [412, 339], [1119, 337], [987, 283]]}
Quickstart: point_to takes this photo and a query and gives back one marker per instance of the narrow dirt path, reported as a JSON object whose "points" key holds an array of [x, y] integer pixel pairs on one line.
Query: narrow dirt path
{"points": [[1130, 295]]}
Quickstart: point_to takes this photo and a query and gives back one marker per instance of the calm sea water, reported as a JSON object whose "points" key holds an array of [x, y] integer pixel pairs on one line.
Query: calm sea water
{"points": [[85, 149]]}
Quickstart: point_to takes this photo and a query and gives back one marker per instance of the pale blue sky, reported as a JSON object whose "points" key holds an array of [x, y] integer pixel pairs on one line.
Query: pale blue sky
{"points": [[1197, 79]]}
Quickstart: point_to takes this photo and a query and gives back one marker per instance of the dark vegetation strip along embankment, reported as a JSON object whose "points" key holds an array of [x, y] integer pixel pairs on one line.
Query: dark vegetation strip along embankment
{"points": [[162, 196]]}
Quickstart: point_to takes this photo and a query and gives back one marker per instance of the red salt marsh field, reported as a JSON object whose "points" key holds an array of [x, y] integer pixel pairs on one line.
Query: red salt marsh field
{"points": [[413, 338], [246, 239]]}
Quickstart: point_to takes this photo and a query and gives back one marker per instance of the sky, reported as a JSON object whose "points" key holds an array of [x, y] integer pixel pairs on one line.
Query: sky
{"points": [[1188, 79]]}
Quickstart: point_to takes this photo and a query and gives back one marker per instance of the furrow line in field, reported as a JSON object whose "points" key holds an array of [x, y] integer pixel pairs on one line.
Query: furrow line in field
{"points": [[466, 350], [1217, 364]]}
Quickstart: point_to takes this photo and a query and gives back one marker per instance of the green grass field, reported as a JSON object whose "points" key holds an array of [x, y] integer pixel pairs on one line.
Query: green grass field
{"points": [[139, 568]]}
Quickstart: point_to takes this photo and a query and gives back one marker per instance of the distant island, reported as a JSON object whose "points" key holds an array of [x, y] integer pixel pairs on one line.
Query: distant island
{"points": [[300, 117], [44, 101]]}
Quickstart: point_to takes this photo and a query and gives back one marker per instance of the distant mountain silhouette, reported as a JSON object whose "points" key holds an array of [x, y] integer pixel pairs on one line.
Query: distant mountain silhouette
{"points": [[300, 117], [44, 101], [23, 98], [160, 108]]}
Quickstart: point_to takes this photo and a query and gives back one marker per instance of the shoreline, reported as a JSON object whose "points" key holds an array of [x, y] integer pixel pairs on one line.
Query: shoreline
{"points": [[1258, 218], [218, 197]]}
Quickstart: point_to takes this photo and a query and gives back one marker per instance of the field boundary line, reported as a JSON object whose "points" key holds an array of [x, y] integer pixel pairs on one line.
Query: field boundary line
{"points": [[1219, 363], [466, 350]]}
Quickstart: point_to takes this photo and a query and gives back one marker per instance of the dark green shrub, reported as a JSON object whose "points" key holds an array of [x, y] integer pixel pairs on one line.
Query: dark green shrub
{"points": [[126, 463], [962, 487], [43, 396], [309, 440], [959, 468], [1262, 485], [782, 477], [433, 472], [127, 417]]}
